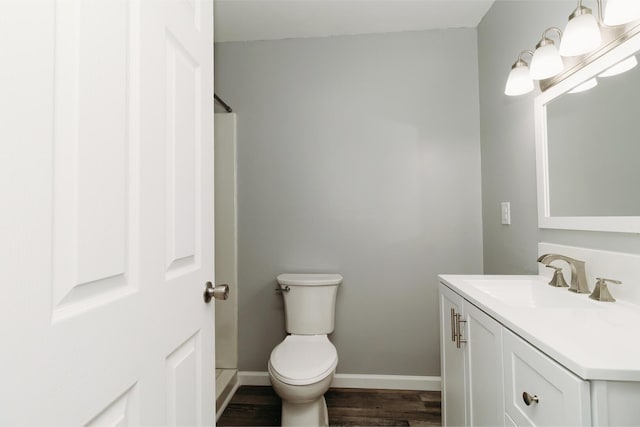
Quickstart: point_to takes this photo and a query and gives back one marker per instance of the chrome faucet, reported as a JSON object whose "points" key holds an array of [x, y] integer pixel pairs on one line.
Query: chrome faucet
{"points": [[578, 274]]}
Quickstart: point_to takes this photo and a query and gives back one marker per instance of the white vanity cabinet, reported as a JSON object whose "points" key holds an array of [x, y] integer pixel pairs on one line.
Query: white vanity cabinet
{"points": [[470, 343], [491, 375]]}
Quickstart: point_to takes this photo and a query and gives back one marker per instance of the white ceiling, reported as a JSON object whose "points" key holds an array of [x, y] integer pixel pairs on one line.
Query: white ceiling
{"points": [[244, 20]]}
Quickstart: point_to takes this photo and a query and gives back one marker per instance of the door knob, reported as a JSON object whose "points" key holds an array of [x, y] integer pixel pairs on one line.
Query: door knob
{"points": [[528, 399], [217, 292]]}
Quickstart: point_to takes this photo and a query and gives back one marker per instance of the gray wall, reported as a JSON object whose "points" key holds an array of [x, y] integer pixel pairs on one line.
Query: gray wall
{"points": [[508, 143], [358, 155]]}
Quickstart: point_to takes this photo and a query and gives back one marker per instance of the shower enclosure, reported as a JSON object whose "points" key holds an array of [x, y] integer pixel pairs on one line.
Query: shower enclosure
{"points": [[226, 258]]}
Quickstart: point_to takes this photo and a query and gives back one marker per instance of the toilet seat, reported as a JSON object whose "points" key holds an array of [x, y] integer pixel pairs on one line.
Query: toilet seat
{"points": [[303, 359]]}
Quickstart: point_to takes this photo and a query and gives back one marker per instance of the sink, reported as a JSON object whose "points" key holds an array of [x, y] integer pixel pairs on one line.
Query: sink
{"points": [[529, 293]]}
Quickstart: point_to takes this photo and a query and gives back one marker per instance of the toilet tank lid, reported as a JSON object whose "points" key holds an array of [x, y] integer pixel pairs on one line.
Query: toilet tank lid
{"points": [[309, 279]]}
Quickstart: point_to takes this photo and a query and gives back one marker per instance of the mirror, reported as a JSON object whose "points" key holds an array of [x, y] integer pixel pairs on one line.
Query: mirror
{"points": [[593, 149], [588, 147]]}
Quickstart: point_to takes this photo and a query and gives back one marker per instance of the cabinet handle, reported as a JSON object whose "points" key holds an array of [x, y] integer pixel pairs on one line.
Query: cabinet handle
{"points": [[528, 399], [453, 325], [459, 339]]}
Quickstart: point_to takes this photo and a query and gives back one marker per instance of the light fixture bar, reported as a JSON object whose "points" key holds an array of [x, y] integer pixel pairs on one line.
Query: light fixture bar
{"points": [[582, 37]]}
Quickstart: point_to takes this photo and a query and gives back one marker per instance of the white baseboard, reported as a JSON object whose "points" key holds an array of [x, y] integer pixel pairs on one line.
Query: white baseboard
{"points": [[253, 378], [388, 382]]}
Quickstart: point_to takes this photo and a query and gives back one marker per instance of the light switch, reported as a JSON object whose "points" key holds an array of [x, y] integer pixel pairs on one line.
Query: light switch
{"points": [[505, 209]]}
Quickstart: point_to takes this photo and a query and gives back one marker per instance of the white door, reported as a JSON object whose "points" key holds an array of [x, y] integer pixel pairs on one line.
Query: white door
{"points": [[106, 180]]}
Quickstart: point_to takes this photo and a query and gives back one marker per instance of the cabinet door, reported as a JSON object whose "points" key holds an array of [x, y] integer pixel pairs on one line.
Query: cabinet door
{"points": [[558, 397], [451, 362], [484, 368]]}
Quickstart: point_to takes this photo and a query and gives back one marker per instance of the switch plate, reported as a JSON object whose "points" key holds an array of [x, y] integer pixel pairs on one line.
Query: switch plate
{"points": [[505, 213]]}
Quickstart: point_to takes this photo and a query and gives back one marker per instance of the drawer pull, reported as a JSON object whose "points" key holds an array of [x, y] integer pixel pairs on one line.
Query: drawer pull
{"points": [[453, 325], [459, 338], [528, 399]]}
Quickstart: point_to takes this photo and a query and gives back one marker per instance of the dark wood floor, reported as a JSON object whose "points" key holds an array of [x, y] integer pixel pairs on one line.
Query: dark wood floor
{"points": [[260, 406]]}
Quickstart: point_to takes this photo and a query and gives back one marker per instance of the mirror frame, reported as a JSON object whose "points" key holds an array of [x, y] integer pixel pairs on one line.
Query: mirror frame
{"points": [[623, 224]]}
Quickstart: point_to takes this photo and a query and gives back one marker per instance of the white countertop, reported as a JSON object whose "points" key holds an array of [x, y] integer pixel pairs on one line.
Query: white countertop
{"points": [[595, 340]]}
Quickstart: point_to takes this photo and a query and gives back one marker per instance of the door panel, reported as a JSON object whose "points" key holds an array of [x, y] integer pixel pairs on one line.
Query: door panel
{"points": [[183, 122], [107, 239], [184, 384], [94, 175], [183, 149], [123, 411]]}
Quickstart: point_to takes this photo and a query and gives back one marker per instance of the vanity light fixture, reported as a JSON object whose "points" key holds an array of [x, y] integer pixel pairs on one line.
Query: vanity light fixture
{"points": [[619, 12], [589, 84], [519, 81], [582, 33], [621, 67], [546, 61], [580, 37]]}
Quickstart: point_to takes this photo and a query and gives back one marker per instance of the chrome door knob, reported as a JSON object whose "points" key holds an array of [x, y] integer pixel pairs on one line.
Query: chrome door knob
{"points": [[217, 292]]}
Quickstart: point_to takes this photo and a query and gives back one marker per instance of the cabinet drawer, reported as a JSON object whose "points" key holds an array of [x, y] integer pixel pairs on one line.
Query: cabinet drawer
{"points": [[562, 397]]}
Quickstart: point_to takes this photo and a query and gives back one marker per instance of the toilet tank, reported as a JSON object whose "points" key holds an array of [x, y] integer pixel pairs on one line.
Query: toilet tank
{"points": [[310, 303]]}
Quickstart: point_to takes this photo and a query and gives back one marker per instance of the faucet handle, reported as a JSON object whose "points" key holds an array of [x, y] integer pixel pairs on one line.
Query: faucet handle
{"points": [[558, 279], [601, 291], [616, 282]]}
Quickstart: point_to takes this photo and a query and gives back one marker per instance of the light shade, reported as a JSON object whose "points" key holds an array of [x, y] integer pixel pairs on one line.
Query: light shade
{"points": [[582, 34], [620, 12], [519, 81], [589, 84], [546, 62], [621, 67]]}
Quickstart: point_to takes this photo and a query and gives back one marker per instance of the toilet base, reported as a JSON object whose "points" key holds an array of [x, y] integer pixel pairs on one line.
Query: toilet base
{"points": [[312, 413], [303, 405]]}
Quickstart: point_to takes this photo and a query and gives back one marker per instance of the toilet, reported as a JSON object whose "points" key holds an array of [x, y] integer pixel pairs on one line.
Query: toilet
{"points": [[301, 367]]}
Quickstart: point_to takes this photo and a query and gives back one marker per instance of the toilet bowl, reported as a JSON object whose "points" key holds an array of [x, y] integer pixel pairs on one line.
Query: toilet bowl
{"points": [[301, 369], [302, 366]]}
